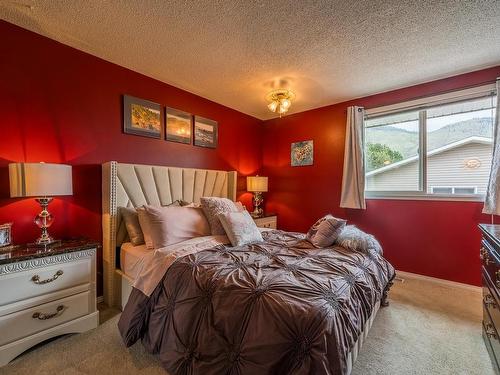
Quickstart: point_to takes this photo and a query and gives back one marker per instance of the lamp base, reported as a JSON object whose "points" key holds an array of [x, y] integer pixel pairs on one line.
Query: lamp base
{"points": [[44, 245], [257, 202], [44, 220], [257, 212]]}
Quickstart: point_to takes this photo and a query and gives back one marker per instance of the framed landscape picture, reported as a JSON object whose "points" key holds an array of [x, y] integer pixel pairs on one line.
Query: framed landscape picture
{"points": [[142, 117], [302, 153], [179, 125], [205, 132]]}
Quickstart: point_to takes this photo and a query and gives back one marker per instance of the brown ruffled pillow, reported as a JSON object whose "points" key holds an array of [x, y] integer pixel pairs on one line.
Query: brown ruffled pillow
{"points": [[131, 220], [325, 231]]}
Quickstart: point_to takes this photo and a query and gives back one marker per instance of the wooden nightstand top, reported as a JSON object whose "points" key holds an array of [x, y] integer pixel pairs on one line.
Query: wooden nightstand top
{"points": [[11, 254], [266, 214]]}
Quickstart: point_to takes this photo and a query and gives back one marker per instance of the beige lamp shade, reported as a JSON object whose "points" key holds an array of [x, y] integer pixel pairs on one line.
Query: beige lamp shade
{"points": [[40, 180], [256, 184]]}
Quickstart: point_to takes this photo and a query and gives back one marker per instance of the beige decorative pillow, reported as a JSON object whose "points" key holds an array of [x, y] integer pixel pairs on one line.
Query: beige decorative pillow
{"points": [[325, 231], [212, 207], [170, 225], [240, 228]]}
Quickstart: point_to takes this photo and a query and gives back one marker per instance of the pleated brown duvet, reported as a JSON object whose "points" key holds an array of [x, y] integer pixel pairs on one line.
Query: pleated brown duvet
{"points": [[277, 307]]}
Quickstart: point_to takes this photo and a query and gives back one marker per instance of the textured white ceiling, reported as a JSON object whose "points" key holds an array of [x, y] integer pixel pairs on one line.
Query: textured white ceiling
{"points": [[234, 52]]}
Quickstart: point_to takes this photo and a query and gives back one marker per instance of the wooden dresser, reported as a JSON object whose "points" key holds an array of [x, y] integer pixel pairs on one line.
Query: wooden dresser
{"points": [[490, 270], [45, 293]]}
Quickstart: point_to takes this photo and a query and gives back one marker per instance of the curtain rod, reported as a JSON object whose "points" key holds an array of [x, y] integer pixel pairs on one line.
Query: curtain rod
{"points": [[436, 93]]}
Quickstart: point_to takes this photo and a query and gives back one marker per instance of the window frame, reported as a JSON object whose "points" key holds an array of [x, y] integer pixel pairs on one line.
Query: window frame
{"points": [[453, 189], [422, 105]]}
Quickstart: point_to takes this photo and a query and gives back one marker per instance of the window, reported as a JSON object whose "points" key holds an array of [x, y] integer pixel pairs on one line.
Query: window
{"points": [[441, 149]]}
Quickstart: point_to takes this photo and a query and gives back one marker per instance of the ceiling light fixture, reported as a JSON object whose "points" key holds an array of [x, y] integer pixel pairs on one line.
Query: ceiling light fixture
{"points": [[280, 100]]}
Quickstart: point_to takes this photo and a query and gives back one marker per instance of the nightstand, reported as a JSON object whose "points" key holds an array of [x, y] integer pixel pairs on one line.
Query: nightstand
{"points": [[267, 221], [46, 293]]}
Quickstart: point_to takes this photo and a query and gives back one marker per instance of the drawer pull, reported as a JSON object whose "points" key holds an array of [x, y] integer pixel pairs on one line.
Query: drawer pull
{"points": [[36, 278], [490, 331], [44, 316], [483, 255], [489, 301]]}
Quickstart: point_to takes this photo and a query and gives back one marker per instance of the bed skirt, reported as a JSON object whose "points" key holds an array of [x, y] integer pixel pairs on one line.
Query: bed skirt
{"points": [[353, 354]]}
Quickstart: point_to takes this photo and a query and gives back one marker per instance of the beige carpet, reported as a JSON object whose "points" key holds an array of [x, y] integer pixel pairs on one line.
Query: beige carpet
{"points": [[428, 329]]}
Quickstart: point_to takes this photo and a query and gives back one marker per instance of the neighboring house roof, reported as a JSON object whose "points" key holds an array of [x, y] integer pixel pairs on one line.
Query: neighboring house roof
{"points": [[439, 150]]}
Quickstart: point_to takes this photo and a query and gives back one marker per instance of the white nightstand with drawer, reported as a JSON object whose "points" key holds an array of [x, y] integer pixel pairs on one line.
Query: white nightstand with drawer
{"points": [[46, 293], [267, 221]]}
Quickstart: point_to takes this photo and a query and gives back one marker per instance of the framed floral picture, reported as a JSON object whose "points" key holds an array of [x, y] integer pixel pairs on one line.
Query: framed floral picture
{"points": [[205, 132], [179, 125], [142, 117], [302, 153], [5, 234]]}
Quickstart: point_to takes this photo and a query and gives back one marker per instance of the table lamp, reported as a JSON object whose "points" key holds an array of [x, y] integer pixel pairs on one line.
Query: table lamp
{"points": [[43, 181], [257, 185]]}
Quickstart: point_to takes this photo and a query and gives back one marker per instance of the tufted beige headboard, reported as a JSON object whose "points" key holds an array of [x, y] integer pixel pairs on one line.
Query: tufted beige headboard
{"points": [[133, 185]]}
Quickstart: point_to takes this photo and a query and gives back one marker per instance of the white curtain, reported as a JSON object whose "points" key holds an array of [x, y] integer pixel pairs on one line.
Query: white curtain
{"points": [[353, 178], [492, 200]]}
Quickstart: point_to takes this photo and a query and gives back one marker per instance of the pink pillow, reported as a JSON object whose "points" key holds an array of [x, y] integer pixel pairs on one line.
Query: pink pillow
{"points": [[169, 225]]}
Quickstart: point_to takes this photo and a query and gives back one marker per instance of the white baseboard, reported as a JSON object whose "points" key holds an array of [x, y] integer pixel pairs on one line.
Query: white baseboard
{"points": [[100, 299], [447, 283]]}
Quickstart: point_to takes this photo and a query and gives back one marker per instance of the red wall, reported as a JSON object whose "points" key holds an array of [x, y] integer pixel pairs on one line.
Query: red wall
{"points": [[433, 238], [61, 105]]}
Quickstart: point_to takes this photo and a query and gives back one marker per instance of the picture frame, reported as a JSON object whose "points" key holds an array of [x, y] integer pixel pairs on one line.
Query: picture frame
{"points": [[302, 153], [205, 132], [178, 126], [142, 117], [5, 235]]}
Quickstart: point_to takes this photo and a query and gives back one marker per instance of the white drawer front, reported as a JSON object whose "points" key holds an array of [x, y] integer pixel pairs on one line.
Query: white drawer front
{"points": [[19, 286], [27, 322], [266, 222]]}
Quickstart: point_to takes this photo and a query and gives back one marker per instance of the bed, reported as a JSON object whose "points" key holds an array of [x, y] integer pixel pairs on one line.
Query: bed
{"points": [[134, 185], [280, 306]]}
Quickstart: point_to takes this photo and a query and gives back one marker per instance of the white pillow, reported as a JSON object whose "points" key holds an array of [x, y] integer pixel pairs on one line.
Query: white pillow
{"points": [[240, 228], [239, 206], [212, 207]]}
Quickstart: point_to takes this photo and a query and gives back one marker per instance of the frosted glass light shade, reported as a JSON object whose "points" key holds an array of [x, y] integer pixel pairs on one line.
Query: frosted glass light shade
{"points": [[40, 180], [257, 184], [272, 106]]}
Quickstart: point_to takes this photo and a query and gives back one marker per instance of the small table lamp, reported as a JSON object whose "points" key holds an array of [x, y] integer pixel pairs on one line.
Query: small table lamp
{"points": [[43, 181], [257, 185]]}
